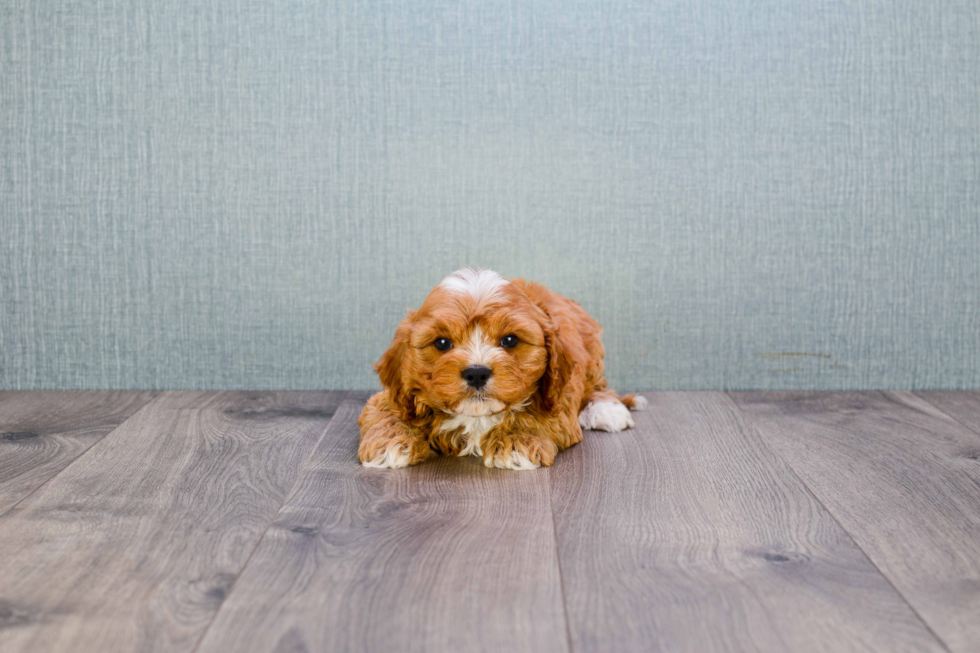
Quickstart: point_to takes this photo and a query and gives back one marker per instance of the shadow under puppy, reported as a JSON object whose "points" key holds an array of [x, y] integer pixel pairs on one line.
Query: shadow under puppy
{"points": [[503, 369]]}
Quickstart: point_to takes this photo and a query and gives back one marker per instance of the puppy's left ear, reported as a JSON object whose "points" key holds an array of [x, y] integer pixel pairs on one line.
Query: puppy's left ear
{"points": [[558, 371]]}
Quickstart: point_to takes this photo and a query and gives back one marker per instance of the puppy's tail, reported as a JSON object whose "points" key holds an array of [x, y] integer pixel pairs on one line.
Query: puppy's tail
{"points": [[634, 402]]}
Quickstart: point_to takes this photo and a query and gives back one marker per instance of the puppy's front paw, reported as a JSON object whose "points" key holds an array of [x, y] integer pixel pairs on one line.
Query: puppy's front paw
{"points": [[393, 453], [518, 453], [391, 456], [610, 416]]}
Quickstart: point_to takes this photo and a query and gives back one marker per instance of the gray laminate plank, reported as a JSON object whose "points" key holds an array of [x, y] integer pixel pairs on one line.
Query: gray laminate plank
{"points": [[902, 477], [41, 433], [446, 556], [134, 546], [962, 405], [688, 533]]}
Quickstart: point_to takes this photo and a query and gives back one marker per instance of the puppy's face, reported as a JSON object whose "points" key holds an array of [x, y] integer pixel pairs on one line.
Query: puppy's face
{"points": [[477, 346]]}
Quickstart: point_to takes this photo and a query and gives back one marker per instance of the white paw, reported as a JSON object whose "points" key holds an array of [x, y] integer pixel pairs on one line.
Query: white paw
{"points": [[393, 457], [511, 460], [640, 403], [610, 416]]}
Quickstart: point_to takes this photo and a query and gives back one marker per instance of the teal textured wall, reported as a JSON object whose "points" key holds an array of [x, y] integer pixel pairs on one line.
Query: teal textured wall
{"points": [[747, 194]]}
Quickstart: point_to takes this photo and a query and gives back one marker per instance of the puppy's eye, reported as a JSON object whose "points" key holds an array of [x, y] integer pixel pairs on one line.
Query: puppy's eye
{"points": [[443, 344], [509, 341]]}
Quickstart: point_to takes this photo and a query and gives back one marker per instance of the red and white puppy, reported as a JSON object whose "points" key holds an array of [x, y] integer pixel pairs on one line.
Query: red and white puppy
{"points": [[503, 369]]}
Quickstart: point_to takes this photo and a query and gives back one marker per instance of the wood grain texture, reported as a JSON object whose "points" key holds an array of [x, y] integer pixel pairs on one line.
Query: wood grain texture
{"points": [[903, 478], [446, 556], [963, 406], [135, 546], [41, 433], [688, 533]]}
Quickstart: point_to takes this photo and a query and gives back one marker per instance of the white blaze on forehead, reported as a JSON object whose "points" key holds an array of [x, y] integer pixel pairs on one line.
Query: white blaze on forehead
{"points": [[478, 284], [479, 350]]}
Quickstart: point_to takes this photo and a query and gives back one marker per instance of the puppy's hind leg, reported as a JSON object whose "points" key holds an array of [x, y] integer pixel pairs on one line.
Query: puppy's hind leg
{"points": [[606, 411], [635, 402]]}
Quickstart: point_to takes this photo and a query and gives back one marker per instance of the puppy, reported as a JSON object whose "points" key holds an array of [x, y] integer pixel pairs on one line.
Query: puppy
{"points": [[503, 369]]}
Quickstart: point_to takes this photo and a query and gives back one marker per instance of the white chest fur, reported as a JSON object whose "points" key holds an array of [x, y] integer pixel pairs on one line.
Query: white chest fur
{"points": [[473, 429]]}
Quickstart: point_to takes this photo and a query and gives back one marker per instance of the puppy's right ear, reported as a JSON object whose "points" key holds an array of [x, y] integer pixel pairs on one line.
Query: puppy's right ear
{"points": [[559, 369], [391, 370]]}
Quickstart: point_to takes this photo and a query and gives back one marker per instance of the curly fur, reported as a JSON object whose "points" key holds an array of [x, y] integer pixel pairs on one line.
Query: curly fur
{"points": [[540, 395]]}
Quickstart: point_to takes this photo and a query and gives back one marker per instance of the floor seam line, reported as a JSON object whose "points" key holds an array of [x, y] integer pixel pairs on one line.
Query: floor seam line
{"points": [[268, 526], [561, 576], [751, 423], [80, 456], [939, 408]]}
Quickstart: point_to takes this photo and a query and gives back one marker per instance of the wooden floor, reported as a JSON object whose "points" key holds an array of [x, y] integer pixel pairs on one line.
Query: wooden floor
{"points": [[218, 522]]}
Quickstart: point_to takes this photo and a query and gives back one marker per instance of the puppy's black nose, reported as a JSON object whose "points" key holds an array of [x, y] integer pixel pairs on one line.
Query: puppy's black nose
{"points": [[477, 375]]}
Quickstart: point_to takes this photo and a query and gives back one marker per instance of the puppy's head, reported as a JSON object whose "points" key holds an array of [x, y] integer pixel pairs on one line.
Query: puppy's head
{"points": [[477, 346]]}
